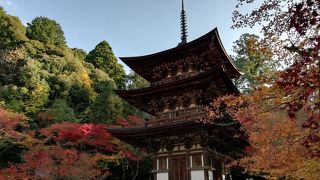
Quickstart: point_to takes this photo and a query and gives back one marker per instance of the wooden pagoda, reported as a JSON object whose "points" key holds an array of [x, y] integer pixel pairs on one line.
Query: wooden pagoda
{"points": [[184, 80]]}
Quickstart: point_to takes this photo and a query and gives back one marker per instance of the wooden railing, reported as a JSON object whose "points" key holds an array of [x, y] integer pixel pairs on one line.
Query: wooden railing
{"points": [[194, 113], [175, 78]]}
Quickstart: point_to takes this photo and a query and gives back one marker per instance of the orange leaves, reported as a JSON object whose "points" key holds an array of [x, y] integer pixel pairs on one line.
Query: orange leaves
{"points": [[279, 144], [282, 147], [61, 151], [54, 162]]}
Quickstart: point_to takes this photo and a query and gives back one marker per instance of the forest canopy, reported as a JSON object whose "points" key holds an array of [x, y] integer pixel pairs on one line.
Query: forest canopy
{"points": [[41, 76], [56, 104]]}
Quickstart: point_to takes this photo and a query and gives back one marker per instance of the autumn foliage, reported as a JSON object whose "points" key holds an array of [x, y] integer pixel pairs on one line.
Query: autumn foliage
{"points": [[281, 114], [61, 151]]}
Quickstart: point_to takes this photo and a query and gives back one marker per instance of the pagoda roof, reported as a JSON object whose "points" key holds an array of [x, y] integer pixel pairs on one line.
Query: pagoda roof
{"points": [[137, 97], [135, 135], [142, 65]]}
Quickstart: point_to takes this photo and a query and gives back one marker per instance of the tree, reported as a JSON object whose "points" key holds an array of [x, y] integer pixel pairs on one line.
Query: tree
{"points": [[281, 117], [46, 30], [65, 150], [60, 111], [292, 31], [13, 137], [134, 81], [102, 57], [107, 107], [12, 31], [253, 59]]}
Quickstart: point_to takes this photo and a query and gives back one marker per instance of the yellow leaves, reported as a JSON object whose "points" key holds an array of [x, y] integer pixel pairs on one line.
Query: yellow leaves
{"points": [[276, 138], [85, 78], [308, 169], [277, 144]]}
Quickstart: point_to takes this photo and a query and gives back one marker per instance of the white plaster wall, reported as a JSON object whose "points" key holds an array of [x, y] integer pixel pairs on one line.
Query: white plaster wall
{"points": [[210, 175], [163, 176], [197, 175]]}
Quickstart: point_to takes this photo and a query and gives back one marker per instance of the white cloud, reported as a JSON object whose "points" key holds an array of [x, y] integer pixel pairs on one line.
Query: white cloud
{"points": [[7, 3]]}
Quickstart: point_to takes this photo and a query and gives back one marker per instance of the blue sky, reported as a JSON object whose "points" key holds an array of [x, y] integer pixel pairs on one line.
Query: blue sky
{"points": [[132, 27]]}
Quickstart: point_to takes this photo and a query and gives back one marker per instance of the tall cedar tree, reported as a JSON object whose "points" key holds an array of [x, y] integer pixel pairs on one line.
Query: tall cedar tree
{"points": [[102, 57]]}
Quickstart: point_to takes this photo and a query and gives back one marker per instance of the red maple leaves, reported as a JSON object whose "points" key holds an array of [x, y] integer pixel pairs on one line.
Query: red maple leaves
{"points": [[63, 150]]}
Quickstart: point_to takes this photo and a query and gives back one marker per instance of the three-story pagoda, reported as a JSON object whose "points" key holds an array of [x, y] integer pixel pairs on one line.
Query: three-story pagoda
{"points": [[184, 80]]}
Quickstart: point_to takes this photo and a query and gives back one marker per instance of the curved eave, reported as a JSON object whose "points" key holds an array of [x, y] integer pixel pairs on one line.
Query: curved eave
{"points": [[235, 73], [137, 97], [179, 49], [198, 79], [172, 85], [213, 36], [134, 135]]}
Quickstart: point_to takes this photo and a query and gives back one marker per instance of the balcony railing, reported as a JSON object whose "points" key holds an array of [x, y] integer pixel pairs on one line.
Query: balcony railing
{"points": [[194, 113], [175, 78]]}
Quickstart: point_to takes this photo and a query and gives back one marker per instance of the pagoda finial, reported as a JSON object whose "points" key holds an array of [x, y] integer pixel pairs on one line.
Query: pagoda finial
{"points": [[183, 25]]}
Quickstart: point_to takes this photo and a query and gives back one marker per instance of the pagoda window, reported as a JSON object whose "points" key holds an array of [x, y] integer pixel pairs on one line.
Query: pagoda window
{"points": [[162, 163], [197, 160]]}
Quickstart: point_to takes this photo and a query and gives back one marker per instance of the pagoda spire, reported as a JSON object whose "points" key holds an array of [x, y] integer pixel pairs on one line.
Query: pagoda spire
{"points": [[183, 25]]}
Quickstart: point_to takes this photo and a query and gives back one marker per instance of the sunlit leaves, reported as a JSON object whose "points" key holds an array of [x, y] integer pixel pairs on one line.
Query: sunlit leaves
{"points": [[46, 31]]}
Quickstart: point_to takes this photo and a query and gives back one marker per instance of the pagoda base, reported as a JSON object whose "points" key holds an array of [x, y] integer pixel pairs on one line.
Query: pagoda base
{"points": [[196, 163]]}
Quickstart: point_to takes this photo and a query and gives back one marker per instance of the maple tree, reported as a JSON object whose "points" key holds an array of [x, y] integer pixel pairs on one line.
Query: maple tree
{"points": [[13, 139], [253, 58], [281, 114], [64, 150]]}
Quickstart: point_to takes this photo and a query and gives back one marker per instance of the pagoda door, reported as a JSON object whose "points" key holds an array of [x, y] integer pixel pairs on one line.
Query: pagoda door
{"points": [[178, 168]]}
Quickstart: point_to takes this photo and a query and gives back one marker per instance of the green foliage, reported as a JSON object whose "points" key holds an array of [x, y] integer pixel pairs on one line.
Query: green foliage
{"points": [[79, 53], [43, 75], [12, 31], [43, 78], [102, 57], [61, 111], [14, 97], [46, 31], [134, 81], [254, 59], [107, 107]]}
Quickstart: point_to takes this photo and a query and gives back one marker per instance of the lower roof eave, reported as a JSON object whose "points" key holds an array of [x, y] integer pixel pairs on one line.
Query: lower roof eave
{"points": [[152, 130]]}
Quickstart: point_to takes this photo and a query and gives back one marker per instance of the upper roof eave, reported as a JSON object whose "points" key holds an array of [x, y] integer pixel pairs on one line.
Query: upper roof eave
{"points": [[184, 82], [213, 35], [178, 48], [237, 72]]}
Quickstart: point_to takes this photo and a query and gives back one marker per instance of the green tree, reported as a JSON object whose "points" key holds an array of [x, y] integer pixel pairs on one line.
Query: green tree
{"points": [[254, 59], [134, 81], [42, 74], [61, 111], [79, 53], [46, 31], [102, 57], [12, 31], [107, 107]]}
